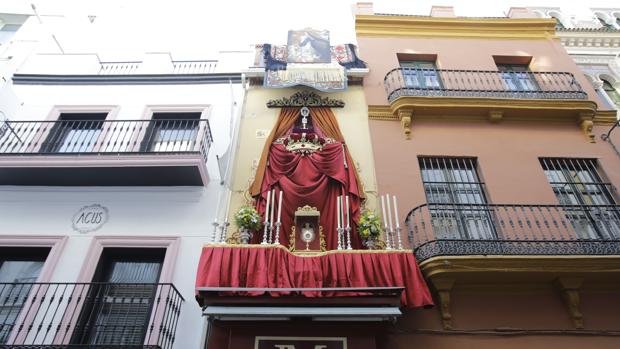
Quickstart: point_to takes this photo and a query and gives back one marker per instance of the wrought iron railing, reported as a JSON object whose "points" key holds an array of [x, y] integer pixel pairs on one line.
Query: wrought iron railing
{"points": [[178, 67], [488, 229], [82, 315], [481, 83], [119, 68], [194, 67], [66, 137]]}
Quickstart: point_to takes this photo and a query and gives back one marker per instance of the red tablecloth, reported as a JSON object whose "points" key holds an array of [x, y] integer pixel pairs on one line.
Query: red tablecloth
{"points": [[256, 266]]}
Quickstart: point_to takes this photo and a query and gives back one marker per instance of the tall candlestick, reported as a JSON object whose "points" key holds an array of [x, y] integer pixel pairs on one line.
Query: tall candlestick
{"points": [[391, 229], [338, 210], [279, 223], [383, 209], [273, 209], [339, 228], [385, 223], [266, 230], [400, 242], [348, 218], [280, 207]]}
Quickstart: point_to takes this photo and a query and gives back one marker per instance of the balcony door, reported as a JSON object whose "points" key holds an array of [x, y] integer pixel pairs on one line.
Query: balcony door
{"points": [[518, 77], [172, 132], [75, 133], [420, 74], [456, 198], [119, 303], [589, 204], [19, 269]]}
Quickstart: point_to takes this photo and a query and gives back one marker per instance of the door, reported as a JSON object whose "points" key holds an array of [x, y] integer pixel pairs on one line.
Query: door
{"points": [[172, 132], [74, 133], [119, 303]]}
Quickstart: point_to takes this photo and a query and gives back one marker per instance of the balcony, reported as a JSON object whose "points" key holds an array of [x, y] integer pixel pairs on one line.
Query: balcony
{"points": [[481, 83], [158, 152], [540, 230], [88, 315], [486, 94], [517, 248]]}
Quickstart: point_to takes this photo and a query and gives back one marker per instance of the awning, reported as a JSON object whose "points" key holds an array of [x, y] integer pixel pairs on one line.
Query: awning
{"points": [[242, 313]]}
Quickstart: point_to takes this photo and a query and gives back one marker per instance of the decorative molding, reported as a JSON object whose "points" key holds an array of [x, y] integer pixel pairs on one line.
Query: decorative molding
{"points": [[586, 123], [305, 98], [155, 79], [569, 289], [457, 27], [380, 112], [405, 121]]}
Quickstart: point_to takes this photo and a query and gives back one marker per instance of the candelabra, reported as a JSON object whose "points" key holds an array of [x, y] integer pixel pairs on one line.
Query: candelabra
{"points": [[388, 242], [223, 231], [266, 233], [340, 234], [400, 242], [348, 229], [276, 239], [215, 225]]}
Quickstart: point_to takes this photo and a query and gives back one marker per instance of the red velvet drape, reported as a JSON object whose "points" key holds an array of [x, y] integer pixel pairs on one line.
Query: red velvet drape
{"points": [[255, 266], [316, 180]]}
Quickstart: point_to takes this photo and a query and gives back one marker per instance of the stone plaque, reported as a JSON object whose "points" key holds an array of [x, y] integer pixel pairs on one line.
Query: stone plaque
{"points": [[90, 218], [264, 342]]}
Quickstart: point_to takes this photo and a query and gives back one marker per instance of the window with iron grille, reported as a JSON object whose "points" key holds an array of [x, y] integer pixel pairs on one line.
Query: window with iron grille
{"points": [[456, 198], [589, 204]]}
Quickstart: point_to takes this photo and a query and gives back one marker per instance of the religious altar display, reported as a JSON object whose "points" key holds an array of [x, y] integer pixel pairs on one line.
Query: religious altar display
{"points": [[247, 270]]}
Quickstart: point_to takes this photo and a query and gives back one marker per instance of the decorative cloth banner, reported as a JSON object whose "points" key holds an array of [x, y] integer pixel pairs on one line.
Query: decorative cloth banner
{"points": [[323, 77], [256, 266]]}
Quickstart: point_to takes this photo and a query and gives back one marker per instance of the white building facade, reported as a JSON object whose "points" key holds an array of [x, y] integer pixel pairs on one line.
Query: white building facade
{"points": [[112, 175], [593, 40]]}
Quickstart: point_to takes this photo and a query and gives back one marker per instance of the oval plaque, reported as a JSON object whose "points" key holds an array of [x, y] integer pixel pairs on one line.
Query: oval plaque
{"points": [[90, 218]]}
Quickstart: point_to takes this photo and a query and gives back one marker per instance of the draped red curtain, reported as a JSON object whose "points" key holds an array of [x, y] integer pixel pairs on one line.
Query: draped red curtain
{"points": [[316, 179], [274, 267]]}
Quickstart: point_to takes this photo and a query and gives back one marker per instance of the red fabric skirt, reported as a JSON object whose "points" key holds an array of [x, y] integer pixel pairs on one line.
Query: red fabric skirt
{"points": [[255, 266]]}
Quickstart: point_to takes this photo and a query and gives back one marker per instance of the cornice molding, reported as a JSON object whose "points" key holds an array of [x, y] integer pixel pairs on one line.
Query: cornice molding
{"points": [[444, 27], [381, 112]]}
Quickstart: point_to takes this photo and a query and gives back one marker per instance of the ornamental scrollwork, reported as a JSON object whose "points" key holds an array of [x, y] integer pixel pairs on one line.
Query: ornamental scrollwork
{"points": [[305, 99]]}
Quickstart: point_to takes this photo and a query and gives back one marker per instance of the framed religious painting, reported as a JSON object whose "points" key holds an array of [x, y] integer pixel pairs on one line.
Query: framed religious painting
{"points": [[308, 46]]}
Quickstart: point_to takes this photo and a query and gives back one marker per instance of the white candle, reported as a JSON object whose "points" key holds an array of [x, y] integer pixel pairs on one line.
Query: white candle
{"points": [[280, 207], [389, 212], [273, 206], [267, 207], [348, 218], [342, 210], [383, 209], [396, 212], [338, 210]]}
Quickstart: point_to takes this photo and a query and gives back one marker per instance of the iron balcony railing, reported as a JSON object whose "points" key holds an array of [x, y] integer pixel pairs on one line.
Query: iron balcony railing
{"points": [[83, 315], [489, 229], [481, 83], [65, 137]]}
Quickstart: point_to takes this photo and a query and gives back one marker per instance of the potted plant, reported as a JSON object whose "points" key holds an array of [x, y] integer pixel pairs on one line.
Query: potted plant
{"points": [[248, 220], [369, 228]]}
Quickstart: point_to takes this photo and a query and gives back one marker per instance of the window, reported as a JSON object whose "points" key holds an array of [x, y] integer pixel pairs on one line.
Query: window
{"points": [[173, 131], [19, 268], [420, 74], [611, 92], [74, 133], [456, 198], [558, 23], [578, 185], [119, 306], [518, 77]]}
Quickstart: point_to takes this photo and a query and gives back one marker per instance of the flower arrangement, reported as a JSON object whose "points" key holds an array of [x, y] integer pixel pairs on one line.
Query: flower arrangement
{"points": [[369, 225], [247, 218]]}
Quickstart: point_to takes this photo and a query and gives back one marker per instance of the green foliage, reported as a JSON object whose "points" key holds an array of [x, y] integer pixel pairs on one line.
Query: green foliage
{"points": [[369, 226], [247, 217]]}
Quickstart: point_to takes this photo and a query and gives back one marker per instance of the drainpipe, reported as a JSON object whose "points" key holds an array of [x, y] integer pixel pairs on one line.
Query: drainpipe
{"points": [[606, 138]]}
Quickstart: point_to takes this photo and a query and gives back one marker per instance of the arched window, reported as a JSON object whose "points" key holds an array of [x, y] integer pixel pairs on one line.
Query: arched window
{"points": [[604, 23], [558, 22], [611, 92]]}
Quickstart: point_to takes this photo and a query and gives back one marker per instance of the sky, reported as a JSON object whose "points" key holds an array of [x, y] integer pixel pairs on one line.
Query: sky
{"points": [[196, 29]]}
